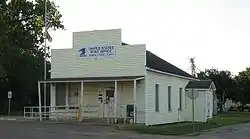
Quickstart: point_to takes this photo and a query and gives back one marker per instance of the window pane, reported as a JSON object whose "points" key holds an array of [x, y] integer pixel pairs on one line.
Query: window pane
{"points": [[60, 94], [186, 98], [169, 98], [180, 96], [157, 97]]}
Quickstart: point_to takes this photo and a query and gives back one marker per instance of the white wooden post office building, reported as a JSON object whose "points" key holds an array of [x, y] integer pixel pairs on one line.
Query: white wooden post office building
{"points": [[106, 78]]}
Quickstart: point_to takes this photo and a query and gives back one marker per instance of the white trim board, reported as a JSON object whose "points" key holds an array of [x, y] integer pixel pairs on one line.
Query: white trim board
{"points": [[170, 74], [86, 81]]}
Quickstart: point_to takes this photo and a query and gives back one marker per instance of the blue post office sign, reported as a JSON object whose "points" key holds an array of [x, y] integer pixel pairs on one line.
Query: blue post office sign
{"points": [[97, 51]]}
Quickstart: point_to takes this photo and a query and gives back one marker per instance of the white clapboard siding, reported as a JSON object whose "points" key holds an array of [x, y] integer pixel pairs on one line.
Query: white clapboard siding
{"points": [[163, 116], [111, 37], [129, 61]]}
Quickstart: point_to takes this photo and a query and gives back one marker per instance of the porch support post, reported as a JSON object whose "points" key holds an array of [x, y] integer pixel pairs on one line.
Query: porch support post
{"points": [[40, 101], [52, 96], [45, 98], [115, 95], [81, 102], [134, 101], [67, 99]]}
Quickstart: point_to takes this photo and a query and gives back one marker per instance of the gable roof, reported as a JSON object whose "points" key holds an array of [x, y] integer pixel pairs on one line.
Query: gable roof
{"points": [[124, 43], [157, 63], [202, 84]]}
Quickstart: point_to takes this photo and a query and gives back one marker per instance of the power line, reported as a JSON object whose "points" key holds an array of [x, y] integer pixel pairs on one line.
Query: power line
{"points": [[188, 69]]}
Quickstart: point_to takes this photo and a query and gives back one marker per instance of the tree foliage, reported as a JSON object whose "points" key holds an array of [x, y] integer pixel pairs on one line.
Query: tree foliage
{"points": [[224, 82], [21, 48], [243, 83], [236, 88]]}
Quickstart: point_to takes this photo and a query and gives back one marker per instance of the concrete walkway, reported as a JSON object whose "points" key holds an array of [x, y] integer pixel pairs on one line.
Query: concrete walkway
{"points": [[11, 118]]}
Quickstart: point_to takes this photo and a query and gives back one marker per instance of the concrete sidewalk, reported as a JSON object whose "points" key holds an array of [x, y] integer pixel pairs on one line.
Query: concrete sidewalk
{"points": [[11, 118], [22, 119]]}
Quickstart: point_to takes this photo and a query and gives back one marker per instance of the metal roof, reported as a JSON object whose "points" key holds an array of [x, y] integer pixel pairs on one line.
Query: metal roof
{"points": [[94, 78], [202, 84], [157, 63]]}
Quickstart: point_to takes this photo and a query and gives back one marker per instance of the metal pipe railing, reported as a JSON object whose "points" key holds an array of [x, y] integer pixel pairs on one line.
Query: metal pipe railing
{"points": [[72, 112], [51, 112]]}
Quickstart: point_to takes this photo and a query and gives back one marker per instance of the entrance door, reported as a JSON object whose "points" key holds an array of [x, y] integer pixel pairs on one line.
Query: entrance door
{"points": [[60, 94], [108, 102]]}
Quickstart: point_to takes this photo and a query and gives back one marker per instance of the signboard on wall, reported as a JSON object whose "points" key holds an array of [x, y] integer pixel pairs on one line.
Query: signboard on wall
{"points": [[97, 51]]}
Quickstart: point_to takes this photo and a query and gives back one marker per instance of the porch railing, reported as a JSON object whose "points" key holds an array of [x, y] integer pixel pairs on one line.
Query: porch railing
{"points": [[124, 118], [71, 113], [51, 113]]}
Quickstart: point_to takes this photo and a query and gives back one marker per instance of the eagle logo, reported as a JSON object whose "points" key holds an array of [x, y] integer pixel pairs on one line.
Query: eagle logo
{"points": [[82, 52]]}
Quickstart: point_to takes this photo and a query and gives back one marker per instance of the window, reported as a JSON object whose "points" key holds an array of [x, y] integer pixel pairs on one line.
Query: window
{"points": [[157, 97], [60, 94], [186, 98], [180, 99], [169, 98], [110, 95]]}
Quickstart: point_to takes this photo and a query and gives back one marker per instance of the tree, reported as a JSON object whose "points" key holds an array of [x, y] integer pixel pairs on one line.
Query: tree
{"points": [[21, 47], [202, 75], [243, 83], [223, 80], [2, 71]]}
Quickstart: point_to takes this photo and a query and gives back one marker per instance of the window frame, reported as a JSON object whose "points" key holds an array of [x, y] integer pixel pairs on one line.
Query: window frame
{"points": [[169, 98], [180, 99], [157, 98]]}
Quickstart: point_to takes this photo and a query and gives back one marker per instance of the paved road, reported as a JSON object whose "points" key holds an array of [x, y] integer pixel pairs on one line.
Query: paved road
{"points": [[241, 131], [31, 130]]}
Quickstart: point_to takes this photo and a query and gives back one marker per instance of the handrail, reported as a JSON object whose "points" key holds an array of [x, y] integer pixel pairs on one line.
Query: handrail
{"points": [[51, 112], [71, 112]]}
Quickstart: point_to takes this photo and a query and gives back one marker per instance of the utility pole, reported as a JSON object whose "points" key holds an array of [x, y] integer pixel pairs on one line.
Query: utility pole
{"points": [[223, 101], [193, 97], [192, 66], [193, 94]]}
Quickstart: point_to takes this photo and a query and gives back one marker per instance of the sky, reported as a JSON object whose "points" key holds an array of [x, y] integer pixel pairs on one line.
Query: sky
{"points": [[215, 32]]}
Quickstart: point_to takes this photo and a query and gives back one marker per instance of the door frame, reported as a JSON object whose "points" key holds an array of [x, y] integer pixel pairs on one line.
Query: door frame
{"points": [[105, 104]]}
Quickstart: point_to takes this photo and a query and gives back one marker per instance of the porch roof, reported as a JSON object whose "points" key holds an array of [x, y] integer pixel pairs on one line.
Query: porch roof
{"points": [[202, 84], [92, 79]]}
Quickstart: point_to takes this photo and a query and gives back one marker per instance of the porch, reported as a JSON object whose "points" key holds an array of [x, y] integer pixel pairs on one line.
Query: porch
{"points": [[118, 99]]}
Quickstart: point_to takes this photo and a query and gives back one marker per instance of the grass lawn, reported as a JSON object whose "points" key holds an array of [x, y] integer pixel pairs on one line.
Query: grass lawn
{"points": [[183, 128]]}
